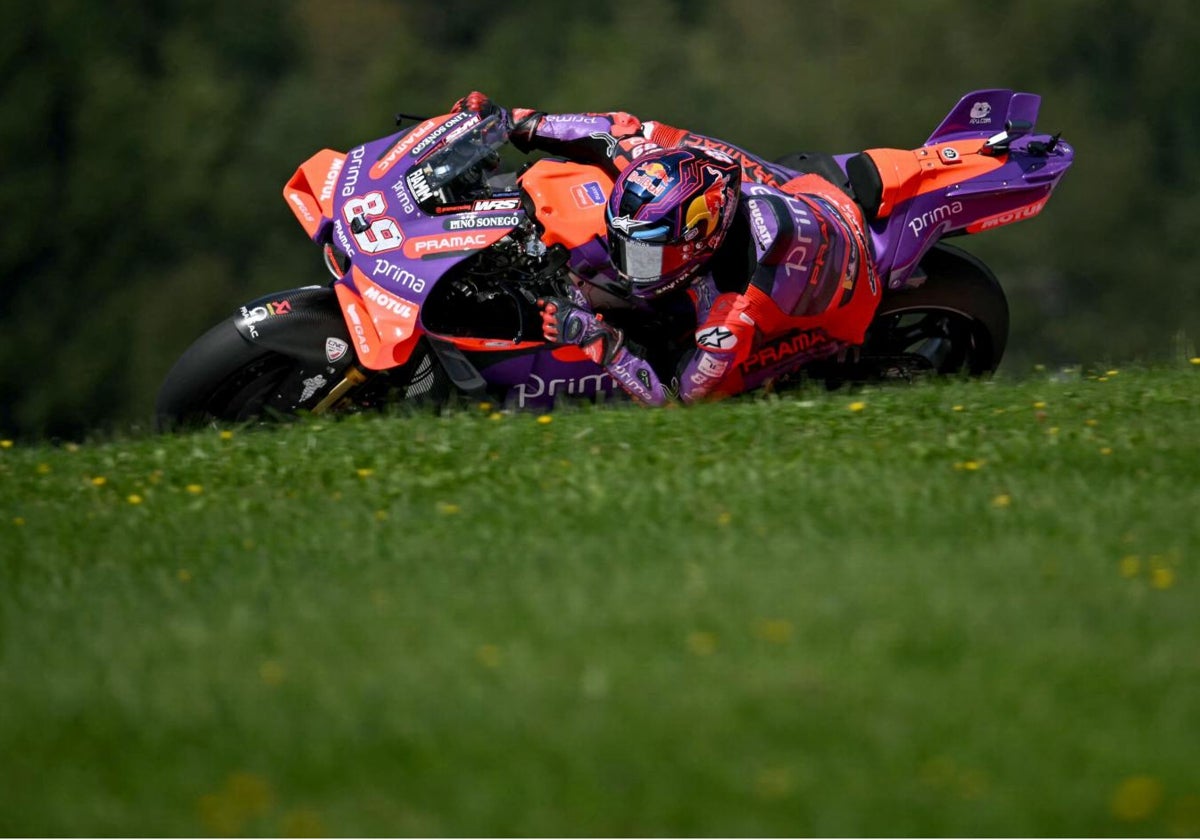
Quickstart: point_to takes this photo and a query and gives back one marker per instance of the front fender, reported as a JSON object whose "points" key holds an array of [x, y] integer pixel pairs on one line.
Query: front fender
{"points": [[304, 324]]}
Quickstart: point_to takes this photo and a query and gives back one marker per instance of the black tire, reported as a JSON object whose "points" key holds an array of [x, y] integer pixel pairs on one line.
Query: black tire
{"points": [[222, 377], [954, 322]]}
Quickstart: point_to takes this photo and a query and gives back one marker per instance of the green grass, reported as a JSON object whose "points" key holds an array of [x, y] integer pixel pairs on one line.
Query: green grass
{"points": [[944, 609]]}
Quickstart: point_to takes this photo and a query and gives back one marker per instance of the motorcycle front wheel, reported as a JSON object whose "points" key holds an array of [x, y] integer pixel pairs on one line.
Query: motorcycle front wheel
{"points": [[223, 378]]}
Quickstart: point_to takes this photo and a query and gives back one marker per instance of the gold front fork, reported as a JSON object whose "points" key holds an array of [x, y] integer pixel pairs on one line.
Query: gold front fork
{"points": [[353, 377]]}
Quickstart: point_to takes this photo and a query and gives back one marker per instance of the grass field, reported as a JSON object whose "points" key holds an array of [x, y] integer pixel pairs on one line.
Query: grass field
{"points": [[945, 609]]}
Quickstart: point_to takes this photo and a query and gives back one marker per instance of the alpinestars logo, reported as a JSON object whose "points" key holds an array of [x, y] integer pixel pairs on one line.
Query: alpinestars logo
{"points": [[625, 224], [716, 338]]}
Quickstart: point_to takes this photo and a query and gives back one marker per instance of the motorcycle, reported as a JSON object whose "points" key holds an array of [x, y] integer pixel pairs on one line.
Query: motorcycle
{"points": [[437, 260]]}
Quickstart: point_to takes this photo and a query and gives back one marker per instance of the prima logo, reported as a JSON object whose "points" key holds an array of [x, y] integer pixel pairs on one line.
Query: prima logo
{"points": [[936, 216], [351, 179], [536, 386]]}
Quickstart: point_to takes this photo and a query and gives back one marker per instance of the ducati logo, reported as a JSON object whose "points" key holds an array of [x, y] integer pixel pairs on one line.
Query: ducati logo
{"points": [[335, 348]]}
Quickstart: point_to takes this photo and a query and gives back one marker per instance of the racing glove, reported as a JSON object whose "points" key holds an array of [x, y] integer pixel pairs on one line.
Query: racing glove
{"points": [[564, 322], [521, 122]]}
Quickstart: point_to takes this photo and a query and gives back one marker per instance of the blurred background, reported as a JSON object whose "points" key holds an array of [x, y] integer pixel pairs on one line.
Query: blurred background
{"points": [[145, 146]]}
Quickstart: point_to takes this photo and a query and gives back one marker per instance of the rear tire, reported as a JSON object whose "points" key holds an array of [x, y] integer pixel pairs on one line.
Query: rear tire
{"points": [[956, 320]]}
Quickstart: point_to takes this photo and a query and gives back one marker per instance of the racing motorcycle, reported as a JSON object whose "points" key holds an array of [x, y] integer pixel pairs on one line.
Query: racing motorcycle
{"points": [[437, 259]]}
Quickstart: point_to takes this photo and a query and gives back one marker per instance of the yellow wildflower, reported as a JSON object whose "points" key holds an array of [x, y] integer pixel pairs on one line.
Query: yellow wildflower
{"points": [[495, 415], [195, 489], [701, 643], [226, 435], [857, 406], [272, 673], [776, 630], [43, 469], [1111, 372], [1162, 577], [184, 576], [724, 517], [448, 508], [1137, 798], [1194, 360], [957, 408], [365, 472], [545, 418], [134, 499], [1002, 501], [99, 481], [485, 407], [1039, 404], [6, 444], [1105, 450], [969, 466]]}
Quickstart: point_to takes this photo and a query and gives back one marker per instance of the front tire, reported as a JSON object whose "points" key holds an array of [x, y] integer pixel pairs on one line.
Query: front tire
{"points": [[222, 377]]}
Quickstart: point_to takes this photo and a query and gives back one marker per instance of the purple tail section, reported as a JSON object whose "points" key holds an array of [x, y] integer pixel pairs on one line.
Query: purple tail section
{"points": [[984, 112]]}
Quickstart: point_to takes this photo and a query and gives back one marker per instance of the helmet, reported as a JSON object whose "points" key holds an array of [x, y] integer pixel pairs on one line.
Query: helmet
{"points": [[667, 213]]}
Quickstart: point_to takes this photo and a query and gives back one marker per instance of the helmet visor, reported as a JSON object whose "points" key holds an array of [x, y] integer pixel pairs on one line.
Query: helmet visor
{"points": [[648, 262]]}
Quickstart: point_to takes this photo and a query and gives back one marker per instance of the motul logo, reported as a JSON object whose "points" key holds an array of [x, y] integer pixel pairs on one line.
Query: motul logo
{"points": [[1026, 212]]}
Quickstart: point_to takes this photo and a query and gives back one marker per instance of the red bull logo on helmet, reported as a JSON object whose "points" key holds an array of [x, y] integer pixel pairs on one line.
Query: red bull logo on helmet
{"points": [[706, 208], [652, 177]]}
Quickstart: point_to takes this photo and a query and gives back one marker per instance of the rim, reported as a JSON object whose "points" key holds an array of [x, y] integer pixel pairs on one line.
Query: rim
{"points": [[929, 340]]}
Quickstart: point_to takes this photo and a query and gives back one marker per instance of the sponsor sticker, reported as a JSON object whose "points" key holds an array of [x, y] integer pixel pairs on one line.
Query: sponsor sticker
{"points": [[335, 348]]}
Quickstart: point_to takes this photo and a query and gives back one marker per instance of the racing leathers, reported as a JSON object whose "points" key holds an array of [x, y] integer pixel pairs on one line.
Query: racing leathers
{"points": [[809, 287]]}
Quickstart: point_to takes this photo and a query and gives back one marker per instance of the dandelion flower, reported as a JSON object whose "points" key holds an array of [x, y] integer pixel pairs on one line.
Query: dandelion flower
{"points": [[485, 407], [226, 435], [195, 489], [365, 472], [1137, 798], [1002, 501], [448, 508], [775, 630], [857, 406], [1091, 422], [134, 499], [495, 415], [1039, 404], [545, 418], [969, 466], [99, 481], [271, 672], [957, 408], [43, 469], [701, 643], [1194, 360], [6, 444], [1111, 372], [1106, 450], [1162, 578]]}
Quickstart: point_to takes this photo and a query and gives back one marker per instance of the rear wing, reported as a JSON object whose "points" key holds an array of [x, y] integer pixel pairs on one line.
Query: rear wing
{"points": [[983, 113]]}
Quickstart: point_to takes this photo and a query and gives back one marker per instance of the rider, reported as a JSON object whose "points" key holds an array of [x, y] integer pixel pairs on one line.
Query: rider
{"points": [[776, 265]]}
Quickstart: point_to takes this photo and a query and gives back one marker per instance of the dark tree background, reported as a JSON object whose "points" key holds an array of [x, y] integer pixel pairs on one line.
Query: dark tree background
{"points": [[145, 145]]}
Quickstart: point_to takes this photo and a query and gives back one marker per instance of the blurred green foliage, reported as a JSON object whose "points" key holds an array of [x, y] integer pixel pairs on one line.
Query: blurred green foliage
{"points": [[146, 143]]}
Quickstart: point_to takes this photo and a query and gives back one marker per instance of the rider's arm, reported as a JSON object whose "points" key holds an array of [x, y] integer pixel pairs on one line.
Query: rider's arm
{"points": [[573, 322]]}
